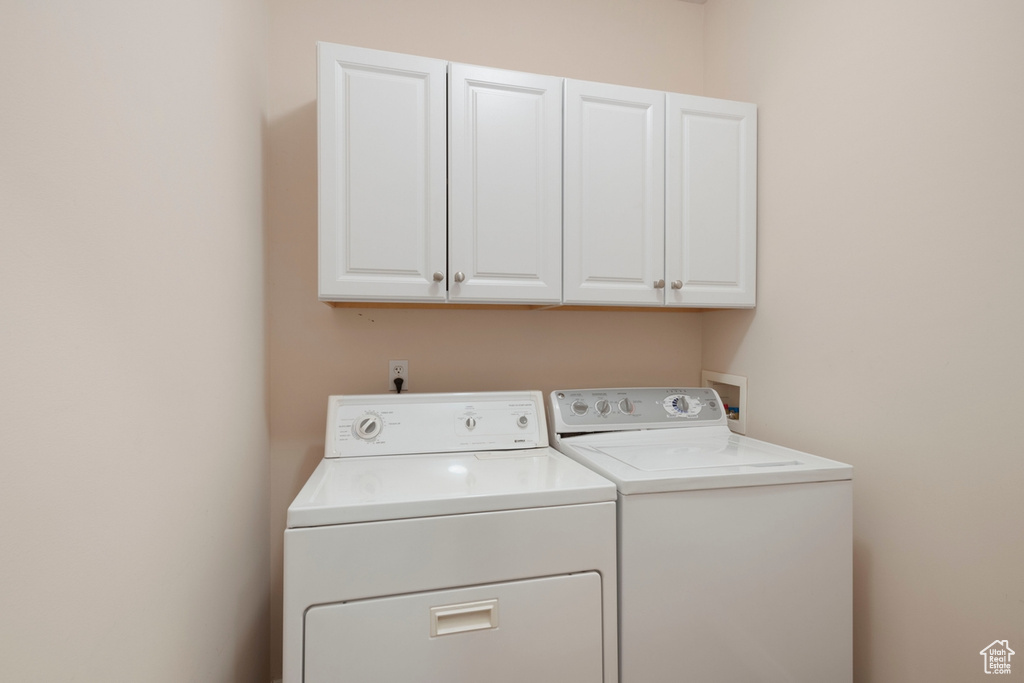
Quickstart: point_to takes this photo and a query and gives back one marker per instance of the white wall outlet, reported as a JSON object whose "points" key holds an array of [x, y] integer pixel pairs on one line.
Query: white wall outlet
{"points": [[733, 390], [398, 369]]}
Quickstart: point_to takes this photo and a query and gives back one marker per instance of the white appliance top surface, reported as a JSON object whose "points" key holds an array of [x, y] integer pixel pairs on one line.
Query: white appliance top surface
{"points": [[693, 458], [349, 490]]}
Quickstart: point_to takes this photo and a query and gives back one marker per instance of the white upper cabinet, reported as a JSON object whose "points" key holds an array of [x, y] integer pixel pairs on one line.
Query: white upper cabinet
{"points": [[381, 128], [449, 183], [614, 195], [504, 186], [711, 202]]}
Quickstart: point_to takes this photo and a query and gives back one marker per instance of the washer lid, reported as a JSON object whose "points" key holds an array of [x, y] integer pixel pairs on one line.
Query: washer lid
{"points": [[697, 458], [347, 490]]}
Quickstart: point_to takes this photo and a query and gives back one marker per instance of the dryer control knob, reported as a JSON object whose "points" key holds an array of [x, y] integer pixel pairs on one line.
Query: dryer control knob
{"points": [[579, 407], [523, 421], [626, 406], [470, 423], [602, 407], [368, 427]]}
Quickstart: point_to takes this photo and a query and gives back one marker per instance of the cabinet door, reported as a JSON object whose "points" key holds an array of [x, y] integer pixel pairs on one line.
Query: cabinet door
{"points": [[504, 186], [381, 128], [614, 194], [711, 202]]}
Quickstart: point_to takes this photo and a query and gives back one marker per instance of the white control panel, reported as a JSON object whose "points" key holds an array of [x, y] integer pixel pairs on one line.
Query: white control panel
{"points": [[594, 410], [395, 424]]}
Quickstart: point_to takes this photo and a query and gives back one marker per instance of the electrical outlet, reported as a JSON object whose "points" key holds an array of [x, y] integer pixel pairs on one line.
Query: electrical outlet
{"points": [[398, 369]]}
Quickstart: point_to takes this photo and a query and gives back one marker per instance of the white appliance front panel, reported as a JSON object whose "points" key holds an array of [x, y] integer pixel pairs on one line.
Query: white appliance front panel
{"points": [[346, 490], [744, 584], [545, 630], [345, 562]]}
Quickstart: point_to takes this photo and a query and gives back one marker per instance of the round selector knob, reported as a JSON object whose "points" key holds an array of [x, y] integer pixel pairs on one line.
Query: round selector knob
{"points": [[677, 405], [368, 427], [579, 407], [470, 423], [523, 421], [626, 406], [602, 406]]}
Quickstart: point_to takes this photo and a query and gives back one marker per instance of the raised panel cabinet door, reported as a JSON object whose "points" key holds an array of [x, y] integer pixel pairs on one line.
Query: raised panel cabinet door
{"points": [[382, 213], [710, 202], [504, 186], [614, 195]]}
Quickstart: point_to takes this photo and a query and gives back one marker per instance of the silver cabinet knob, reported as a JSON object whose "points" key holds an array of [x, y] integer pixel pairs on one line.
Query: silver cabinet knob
{"points": [[677, 284], [438, 276], [659, 284], [460, 276]]}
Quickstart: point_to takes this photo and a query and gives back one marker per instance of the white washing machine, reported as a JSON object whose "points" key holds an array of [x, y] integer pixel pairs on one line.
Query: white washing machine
{"points": [[441, 539], [735, 555]]}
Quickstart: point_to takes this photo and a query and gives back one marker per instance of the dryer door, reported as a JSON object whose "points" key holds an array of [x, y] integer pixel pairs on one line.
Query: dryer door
{"points": [[544, 630]]}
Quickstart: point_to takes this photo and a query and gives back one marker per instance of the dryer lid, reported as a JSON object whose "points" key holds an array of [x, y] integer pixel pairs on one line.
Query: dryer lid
{"points": [[348, 490], [700, 458]]}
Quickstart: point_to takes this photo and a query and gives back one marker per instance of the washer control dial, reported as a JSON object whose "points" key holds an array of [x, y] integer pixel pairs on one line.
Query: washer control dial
{"points": [[523, 421], [626, 406], [678, 404], [602, 406], [367, 427], [470, 423], [579, 407]]}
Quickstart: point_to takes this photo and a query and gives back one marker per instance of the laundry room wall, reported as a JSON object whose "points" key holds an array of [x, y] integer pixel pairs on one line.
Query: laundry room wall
{"points": [[316, 350], [889, 321], [133, 435]]}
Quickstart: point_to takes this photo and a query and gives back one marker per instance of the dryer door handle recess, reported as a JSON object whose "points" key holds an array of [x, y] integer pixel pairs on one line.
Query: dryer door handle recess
{"points": [[467, 616]]}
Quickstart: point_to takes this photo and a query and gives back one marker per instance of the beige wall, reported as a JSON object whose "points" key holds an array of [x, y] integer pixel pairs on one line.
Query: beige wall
{"points": [[316, 351], [133, 448], [133, 470], [890, 235]]}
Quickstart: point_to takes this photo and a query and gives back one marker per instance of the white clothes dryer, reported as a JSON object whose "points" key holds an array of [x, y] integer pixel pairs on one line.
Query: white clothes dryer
{"points": [[735, 555], [441, 539]]}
